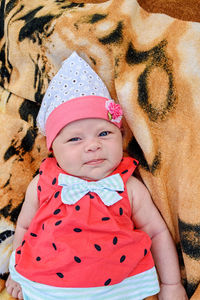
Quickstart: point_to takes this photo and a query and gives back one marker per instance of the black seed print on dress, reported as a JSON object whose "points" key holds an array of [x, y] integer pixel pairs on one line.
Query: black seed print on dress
{"points": [[135, 163], [40, 172], [58, 222], [38, 258], [125, 171], [23, 242], [121, 211], [97, 247], [54, 181], [33, 234], [56, 194], [19, 252], [54, 246], [105, 219], [91, 196], [77, 259], [122, 258], [77, 207], [57, 211], [115, 240], [39, 188], [107, 282], [77, 229], [60, 275], [145, 252], [42, 226]]}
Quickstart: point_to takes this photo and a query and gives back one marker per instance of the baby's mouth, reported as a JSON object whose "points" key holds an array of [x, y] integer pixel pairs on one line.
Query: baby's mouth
{"points": [[95, 161]]}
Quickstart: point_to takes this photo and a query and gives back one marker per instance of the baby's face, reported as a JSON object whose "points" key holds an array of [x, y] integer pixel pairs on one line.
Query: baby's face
{"points": [[89, 148]]}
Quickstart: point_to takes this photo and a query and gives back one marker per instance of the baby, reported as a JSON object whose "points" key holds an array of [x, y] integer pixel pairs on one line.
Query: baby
{"points": [[87, 228]]}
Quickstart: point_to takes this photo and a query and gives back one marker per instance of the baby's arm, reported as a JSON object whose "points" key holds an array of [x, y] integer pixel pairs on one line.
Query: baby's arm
{"points": [[147, 218], [26, 215]]}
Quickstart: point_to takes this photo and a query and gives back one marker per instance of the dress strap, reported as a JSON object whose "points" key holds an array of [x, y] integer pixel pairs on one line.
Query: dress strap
{"points": [[126, 167]]}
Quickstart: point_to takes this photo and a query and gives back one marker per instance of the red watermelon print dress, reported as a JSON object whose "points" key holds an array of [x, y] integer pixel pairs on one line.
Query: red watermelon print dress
{"points": [[84, 245]]}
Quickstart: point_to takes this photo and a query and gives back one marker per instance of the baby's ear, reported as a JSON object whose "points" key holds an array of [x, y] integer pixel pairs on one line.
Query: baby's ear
{"points": [[122, 131]]}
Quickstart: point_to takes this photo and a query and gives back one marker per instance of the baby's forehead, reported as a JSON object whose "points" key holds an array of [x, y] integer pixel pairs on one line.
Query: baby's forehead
{"points": [[88, 124]]}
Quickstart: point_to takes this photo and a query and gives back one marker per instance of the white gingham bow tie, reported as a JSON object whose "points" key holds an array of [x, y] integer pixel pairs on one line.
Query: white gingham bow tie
{"points": [[75, 188]]}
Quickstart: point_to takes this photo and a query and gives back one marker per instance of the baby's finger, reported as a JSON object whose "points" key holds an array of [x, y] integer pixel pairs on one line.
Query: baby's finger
{"points": [[20, 295]]}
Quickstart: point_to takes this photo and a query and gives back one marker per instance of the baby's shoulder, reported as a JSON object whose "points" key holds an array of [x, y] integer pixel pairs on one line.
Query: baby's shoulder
{"points": [[33, 184], [136, 189], [135, 183]]}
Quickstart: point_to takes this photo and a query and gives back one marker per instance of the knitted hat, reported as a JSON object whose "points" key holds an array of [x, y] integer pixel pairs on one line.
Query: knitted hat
{"points": [[76, 92]]}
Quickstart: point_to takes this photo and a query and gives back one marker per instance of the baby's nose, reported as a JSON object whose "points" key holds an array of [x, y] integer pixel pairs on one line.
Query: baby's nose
{"points": [[92, 145]]}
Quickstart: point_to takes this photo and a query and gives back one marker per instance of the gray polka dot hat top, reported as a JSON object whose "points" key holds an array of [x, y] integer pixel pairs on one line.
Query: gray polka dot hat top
{"points": [[74, 79]]}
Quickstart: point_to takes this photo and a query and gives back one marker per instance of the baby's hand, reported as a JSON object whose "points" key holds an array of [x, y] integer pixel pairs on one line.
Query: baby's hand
{"points": [[13, 288], [172, 291]]}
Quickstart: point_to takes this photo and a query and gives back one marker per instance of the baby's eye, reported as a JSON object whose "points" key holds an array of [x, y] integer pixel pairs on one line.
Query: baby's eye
{"points": [[104, 133], [74, 139]]}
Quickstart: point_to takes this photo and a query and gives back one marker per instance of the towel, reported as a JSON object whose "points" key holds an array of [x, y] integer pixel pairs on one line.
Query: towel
{"points": [[147, 53]]}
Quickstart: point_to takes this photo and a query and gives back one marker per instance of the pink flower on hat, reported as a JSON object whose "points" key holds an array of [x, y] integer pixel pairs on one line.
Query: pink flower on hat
{"points": [[114, 111]]}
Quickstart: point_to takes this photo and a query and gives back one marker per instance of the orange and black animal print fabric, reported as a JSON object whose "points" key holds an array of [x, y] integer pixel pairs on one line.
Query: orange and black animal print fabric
{"points": [[148, 54]]}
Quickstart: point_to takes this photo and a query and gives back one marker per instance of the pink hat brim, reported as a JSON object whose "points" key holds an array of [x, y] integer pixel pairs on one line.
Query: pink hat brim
{"points": [[73, 110]]}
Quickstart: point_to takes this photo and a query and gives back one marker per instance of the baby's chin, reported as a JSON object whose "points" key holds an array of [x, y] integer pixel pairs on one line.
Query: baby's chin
{"points": [[94, 171], [94, 176]]}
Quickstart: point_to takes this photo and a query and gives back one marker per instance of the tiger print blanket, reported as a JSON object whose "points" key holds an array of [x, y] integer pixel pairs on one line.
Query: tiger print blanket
{"points": [[151, 64]]}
